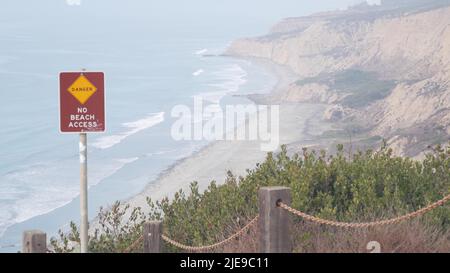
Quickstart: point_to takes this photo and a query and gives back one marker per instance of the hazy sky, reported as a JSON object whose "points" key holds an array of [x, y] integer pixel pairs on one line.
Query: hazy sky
{"points": [[280, 7], [271, 9], [161, 15]]}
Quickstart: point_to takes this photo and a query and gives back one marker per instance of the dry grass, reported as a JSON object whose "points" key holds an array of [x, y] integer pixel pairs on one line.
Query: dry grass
{"points": [[409, 237], [248, 243]]}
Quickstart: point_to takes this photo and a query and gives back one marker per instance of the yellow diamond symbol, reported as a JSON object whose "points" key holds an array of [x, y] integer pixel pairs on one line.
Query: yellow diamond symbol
{"points": [[82, 89]]}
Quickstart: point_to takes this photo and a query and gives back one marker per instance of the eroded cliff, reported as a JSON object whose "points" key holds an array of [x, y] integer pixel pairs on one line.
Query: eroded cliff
{"points": [[387, 66]]}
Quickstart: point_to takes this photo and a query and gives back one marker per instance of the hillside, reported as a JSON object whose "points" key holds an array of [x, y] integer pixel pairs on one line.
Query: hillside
{"points": [[383, 69]]}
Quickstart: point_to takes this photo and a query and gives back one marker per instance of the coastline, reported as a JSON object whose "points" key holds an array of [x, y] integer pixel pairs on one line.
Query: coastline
{"points": [[236, 156], [213, 161]]}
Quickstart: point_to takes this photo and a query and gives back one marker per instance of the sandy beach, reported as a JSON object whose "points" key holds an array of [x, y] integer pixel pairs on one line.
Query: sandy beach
{"points": [[213, 161]]}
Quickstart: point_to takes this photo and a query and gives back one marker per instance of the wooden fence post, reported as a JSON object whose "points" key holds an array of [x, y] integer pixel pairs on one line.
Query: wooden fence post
{"points": [[274, 222], [34, 241], [152, 237]]}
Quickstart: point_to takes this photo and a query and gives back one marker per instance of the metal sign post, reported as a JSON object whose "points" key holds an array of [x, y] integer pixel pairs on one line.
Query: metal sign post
{"points": [[84, 226], [82, 110]]}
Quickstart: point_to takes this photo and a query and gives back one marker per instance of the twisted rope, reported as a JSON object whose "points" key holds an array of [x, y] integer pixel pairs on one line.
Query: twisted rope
{"points": [[303, 215], [134, 245], [396, 220], [213, 246]]}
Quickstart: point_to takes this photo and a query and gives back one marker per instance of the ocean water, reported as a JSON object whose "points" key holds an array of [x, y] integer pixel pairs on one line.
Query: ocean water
{"points": [[148, 69]]}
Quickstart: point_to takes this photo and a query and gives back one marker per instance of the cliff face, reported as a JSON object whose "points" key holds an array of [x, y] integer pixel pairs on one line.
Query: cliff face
{"points": [[391, 46], [401, 53]]}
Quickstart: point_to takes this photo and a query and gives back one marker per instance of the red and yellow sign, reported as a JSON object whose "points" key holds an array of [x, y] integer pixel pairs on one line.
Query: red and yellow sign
{"points": [[82, 102]]}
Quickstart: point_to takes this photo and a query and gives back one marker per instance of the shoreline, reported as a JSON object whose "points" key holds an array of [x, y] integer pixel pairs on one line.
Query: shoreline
{"points": [[154, 186], [213, 161], [282, 75], [237, 156]]}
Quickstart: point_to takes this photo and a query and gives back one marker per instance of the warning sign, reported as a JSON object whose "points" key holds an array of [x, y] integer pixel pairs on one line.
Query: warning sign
{"points": [[82, 102], [82, 89]]}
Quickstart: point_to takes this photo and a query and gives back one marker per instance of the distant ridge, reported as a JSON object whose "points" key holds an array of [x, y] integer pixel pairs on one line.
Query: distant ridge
{"points": [[400, 50]]}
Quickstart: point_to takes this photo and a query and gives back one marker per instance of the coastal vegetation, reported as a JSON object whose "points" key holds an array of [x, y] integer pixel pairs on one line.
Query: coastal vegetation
{"points": [[362, 87], [365, 186]]}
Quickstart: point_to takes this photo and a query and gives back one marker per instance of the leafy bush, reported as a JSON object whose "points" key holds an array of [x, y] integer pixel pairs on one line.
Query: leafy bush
{"points": [[118, 227], [369, 185]]}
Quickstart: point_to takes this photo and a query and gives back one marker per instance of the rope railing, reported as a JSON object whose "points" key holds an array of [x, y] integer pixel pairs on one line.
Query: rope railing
{"points": [[213, 246], [238, 234], [303, 215], [134, 245], [396, 220], [274, 229]]}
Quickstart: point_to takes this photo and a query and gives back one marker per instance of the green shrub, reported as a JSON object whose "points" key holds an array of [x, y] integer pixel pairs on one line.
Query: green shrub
{"points": [[370, 184]]}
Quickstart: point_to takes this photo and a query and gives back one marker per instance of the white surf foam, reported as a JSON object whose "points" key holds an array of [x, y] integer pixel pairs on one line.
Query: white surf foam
{"points": [[201, 51], [42, 188], [161, 152], [227, 81], [127, 160], [198, 73], [134, 127]]}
